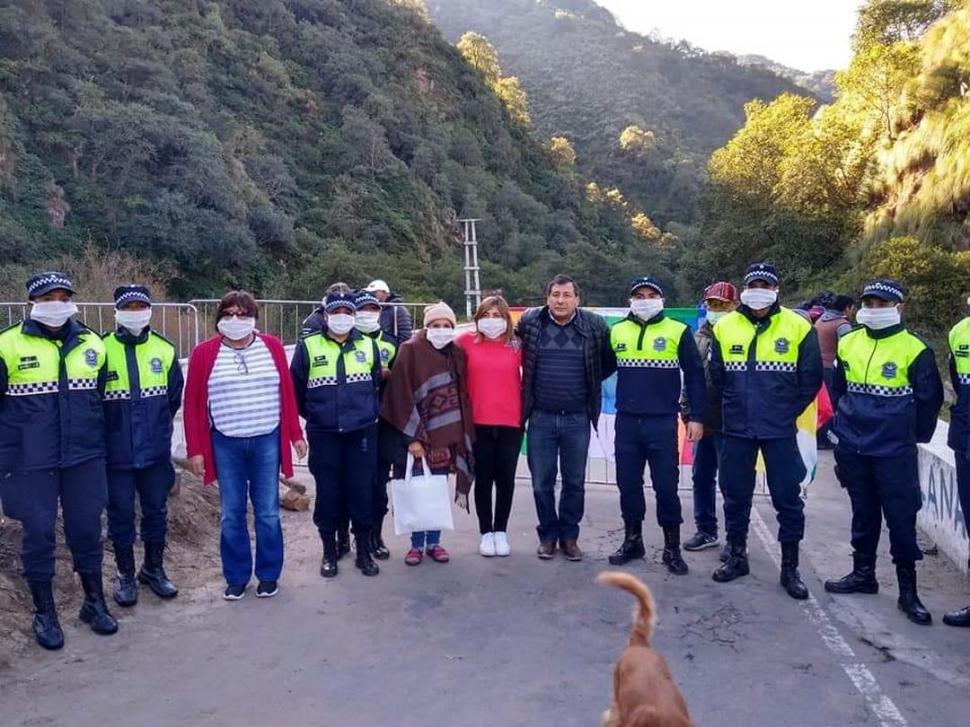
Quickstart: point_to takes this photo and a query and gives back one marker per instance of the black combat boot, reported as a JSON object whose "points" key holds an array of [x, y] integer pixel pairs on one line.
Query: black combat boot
{"points": [[94, 611], [378, 549], [126, 586], [960, 617], [736, 564], [364, 562], [343, 540], [632, 546], [862, 579], [47, 629], [671, 555], [328, 566], [790, 580], [153, 571], [909, 602]]}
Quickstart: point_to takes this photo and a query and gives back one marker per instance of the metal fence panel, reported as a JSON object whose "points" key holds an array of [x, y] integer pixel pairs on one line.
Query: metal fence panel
{"points": [[178, 322]]}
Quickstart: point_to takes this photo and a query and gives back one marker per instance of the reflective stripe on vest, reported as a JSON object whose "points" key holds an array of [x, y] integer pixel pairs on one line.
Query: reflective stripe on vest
{"points": [[154, 357], [324, 353], [33, 363], [778, 344], [960, 350], [652, 346], [879, 366]]}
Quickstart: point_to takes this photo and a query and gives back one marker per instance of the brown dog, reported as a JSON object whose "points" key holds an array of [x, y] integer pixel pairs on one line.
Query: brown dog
{"points": [[644, 693]]}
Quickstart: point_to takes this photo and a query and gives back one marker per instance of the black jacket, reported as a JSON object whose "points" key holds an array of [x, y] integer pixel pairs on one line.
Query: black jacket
{"points": [[313, 323], [704, 338], [396, 319], [600, 362]]}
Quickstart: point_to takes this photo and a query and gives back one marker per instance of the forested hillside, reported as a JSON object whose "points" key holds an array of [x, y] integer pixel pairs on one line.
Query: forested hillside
{"points": [[587, 80], [877, 183], [280, 145]]}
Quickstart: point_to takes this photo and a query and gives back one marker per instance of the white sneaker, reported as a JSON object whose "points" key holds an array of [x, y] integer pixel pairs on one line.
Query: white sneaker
{"points": [[502, 545], [487, 546]]}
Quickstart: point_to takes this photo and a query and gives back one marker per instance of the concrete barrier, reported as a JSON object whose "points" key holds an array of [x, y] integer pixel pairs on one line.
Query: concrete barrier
{"points": [[941, 517]]}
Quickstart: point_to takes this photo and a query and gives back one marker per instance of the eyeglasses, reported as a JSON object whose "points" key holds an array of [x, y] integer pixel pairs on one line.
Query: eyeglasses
{"points": [[241, 366]]}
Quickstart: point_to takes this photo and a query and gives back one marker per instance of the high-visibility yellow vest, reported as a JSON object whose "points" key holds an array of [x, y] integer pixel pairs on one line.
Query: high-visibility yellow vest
{"points": [[777, 345], [154, 357], [647, 346]]}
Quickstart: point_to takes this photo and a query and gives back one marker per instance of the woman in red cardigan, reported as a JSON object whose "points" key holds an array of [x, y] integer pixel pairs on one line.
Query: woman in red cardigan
{"points": [[240, 421]]}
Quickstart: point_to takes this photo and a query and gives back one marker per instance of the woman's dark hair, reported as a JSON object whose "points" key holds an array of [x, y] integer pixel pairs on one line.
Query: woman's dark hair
{"points": [[562, 280], [843, 303], [242, 299]]}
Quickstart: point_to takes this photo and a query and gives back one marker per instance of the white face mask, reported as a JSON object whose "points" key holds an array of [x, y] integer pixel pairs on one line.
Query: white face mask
{"points": [[53, 313], [236, 328], [492, 327], [368, 321], [713, 316], [646, 308], [133, 321], [340, 323], [441, 337], [878, 318], [759, 298]]}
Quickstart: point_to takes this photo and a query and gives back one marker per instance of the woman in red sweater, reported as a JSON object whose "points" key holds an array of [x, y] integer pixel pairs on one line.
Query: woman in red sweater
{"points": [[241, 419], [494, 359]]}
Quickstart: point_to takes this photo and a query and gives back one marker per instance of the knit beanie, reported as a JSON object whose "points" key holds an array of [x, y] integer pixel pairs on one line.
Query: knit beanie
{"points": [[437, 311]]}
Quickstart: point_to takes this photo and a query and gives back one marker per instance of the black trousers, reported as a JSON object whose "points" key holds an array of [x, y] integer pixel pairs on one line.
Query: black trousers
{"points": [[882, 487], [496, 458], [785, 470], [152, 486], [343, 465], [32, 498]]}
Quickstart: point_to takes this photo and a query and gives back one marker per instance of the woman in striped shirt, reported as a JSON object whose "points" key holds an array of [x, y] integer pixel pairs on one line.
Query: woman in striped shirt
{"points": [[240, 421]]}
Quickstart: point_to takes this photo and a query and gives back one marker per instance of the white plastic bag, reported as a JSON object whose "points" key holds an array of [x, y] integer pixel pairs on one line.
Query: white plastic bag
{"points": [[422, 502]]}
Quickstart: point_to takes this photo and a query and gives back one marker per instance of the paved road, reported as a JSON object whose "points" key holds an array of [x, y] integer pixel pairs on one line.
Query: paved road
{"points": [[514, 641]]}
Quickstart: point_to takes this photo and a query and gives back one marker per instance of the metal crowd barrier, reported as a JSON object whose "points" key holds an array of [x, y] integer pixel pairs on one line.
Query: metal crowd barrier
{"points": [[284, 318], [179, 322]]}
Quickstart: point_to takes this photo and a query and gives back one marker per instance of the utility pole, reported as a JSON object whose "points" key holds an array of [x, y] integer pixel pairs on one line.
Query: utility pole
{"points": [[473, 290]]}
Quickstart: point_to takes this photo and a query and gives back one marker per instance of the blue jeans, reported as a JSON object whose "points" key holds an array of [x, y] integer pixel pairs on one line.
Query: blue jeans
{"points": [[425, 538], [249, 466], [554, 441], [707, 460]]}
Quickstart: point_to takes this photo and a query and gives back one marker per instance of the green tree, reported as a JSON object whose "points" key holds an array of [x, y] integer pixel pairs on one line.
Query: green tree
{"points": [[480, 55], [516, 102], [637, 139], [561, 152]]}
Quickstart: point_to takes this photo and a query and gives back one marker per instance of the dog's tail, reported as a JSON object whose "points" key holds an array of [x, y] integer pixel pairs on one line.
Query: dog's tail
{"points": [[644, 614]]}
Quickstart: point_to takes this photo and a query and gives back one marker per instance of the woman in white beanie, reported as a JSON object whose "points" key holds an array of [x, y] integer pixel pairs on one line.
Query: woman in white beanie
{"points": [[426, 401]]}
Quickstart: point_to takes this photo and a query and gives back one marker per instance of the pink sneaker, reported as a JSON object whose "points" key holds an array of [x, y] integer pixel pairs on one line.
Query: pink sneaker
{"points": [[438, 554], [414, 557]]}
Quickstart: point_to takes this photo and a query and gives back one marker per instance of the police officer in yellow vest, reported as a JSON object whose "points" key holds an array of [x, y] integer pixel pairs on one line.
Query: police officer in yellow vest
{"points": [[336, 374], [765, 360], [368, 322], [143, 392], [888, 395], [52, 448], [651, 352], [958, 436]]}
